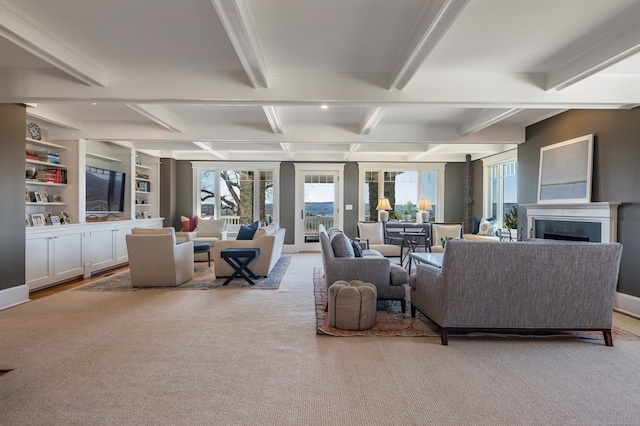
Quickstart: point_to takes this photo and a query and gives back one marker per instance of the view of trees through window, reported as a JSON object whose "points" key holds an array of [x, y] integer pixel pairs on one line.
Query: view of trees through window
{"points": [[237, 201]]}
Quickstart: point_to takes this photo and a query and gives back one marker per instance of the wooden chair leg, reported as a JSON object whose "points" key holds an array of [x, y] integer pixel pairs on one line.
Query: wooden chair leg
{"points": [[413, 311], [608, 338], [444, 336]]}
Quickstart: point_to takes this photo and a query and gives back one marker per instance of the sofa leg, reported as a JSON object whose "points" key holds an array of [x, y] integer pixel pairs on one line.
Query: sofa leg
{"points": [[608, 338], [444, 336], [403, 305], [413, 311]]}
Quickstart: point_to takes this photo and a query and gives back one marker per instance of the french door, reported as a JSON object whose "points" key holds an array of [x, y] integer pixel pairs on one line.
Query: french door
{"points": [[318, 201]]}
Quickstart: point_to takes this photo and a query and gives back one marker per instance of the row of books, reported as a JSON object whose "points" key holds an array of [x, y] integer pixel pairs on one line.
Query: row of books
{"points": [[51, 176], [46, 156]]}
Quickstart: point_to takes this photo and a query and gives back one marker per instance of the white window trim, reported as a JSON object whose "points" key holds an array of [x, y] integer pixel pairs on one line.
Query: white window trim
{"points": [[403, 167], [198, 166], [487, 164]]}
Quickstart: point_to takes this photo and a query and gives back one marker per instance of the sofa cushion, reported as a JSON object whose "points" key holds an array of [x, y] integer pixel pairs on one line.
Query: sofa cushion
{"points": [[211, 227], [341, 246], [246, 232], [188, 224], [399, 275]]}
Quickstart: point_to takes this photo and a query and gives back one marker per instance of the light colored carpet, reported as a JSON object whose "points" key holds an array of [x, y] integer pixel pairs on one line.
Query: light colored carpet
{"points": [[204, 279], [239, 357]]}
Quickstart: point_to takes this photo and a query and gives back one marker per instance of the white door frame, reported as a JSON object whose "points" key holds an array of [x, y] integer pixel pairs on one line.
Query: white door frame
{"points": [[301, 170]]}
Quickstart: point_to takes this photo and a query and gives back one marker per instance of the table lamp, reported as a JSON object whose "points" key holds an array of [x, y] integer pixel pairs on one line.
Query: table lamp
{"points": [[424, 206], [382, 207]]}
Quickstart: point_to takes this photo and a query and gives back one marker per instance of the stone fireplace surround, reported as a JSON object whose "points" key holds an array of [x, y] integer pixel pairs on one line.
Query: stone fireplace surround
{"points": [[579, 217]]}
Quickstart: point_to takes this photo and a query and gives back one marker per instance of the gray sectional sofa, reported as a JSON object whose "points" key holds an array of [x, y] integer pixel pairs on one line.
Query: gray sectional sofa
{"points": [[388, 277], [507, 286]]}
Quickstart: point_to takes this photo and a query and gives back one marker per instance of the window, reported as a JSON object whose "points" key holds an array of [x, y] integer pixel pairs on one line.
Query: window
{"points": [[239, 193], [501, 185], [401, 184]]}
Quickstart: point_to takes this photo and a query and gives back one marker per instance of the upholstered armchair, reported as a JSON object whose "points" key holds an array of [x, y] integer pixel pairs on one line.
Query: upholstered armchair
{"points": [[155, 260], [208, 231], [441, 230], [374, 236]]}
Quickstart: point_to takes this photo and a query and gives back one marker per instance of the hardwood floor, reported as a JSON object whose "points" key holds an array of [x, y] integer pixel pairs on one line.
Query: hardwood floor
{"points": [[38, 294]]}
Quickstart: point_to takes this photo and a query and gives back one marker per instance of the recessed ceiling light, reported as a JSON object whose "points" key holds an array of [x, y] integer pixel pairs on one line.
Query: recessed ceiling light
{"points": [[324, 106]]}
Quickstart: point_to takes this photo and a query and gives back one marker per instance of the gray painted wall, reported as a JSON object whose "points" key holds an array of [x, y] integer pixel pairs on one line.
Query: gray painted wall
{"points": [[168, 205], [454, 192], [616, 172], [13, 119]]}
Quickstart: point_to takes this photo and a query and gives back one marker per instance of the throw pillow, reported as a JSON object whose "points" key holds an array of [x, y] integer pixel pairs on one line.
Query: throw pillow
{"points": [[188, 224], [485, 227], [357, 249], [246, 231], [476, 225], [341, 246]]}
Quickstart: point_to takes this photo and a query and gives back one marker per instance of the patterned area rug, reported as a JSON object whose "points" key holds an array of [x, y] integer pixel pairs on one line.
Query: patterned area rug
{"points": [[204, 279], [390, 321]]}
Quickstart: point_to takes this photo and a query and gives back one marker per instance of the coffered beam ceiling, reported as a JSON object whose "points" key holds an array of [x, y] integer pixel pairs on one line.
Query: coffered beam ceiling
{"points": [[419, 80], [26, 33]]}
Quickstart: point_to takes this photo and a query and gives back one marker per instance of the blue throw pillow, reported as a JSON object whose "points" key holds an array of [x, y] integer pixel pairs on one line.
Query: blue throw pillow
{"points": [[357, 249], [246, 231], [476, 224]]}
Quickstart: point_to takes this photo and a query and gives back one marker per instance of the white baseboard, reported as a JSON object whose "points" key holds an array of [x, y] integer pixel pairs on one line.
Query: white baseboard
{"points": [[13, 296], [627, 304]]}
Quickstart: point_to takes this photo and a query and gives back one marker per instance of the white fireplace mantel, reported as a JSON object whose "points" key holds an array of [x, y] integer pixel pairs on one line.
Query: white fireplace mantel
{"points": [[605, 213]]}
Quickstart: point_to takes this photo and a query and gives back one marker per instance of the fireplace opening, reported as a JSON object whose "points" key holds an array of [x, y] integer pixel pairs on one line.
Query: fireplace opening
{"points": [[549, 236], [568, 230]]}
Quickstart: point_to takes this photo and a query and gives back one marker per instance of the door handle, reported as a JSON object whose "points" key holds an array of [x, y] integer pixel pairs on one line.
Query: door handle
{"points": [[302, 214]]}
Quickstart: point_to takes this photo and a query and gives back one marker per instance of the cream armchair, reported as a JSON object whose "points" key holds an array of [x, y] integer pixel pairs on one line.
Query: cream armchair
{"points": [[155, 260], [208, 231], [374, 234], [440, 230]]}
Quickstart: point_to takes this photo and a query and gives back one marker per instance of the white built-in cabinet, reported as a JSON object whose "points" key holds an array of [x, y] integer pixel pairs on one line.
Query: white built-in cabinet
{"points": [[57, 253], [90, 242]]}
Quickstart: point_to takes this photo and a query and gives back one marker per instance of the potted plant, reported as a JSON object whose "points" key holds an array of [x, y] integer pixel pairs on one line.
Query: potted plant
{"points": [[510, 220], [408, 210]]}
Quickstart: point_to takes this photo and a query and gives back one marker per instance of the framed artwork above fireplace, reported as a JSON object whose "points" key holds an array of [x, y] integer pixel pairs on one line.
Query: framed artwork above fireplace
{"points": [[565, 171]]}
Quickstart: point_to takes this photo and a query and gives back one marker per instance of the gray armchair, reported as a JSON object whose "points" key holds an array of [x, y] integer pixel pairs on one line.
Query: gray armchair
{"points": [[372, 268], [155, 260]]}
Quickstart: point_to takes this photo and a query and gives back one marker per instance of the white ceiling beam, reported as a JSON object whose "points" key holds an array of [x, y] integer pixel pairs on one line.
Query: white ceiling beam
{"points": [[159, 115], [373, 118], [436, 19], [430, 149], [623, 44], [273, 117], [352, 149], [286, 148], [25, 33], [482, 91], [237, 22], [487, 118], [55, 116], [210, 150]]}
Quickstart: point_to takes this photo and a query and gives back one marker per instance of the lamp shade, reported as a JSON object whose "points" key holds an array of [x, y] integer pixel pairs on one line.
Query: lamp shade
{"points": [[424, 204], [383, 204]]}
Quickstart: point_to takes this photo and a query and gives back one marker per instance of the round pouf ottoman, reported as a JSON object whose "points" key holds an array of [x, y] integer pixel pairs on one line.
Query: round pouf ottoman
{"points": [[352, 305]]}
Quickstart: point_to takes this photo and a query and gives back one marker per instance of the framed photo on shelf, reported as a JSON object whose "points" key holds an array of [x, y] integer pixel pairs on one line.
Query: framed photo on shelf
{"points": [[57, 198], [65, 217], [27, 196], [48, 216], [45, 197], [27, 219], [55, 220], [38, 219], [37, 197]]}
